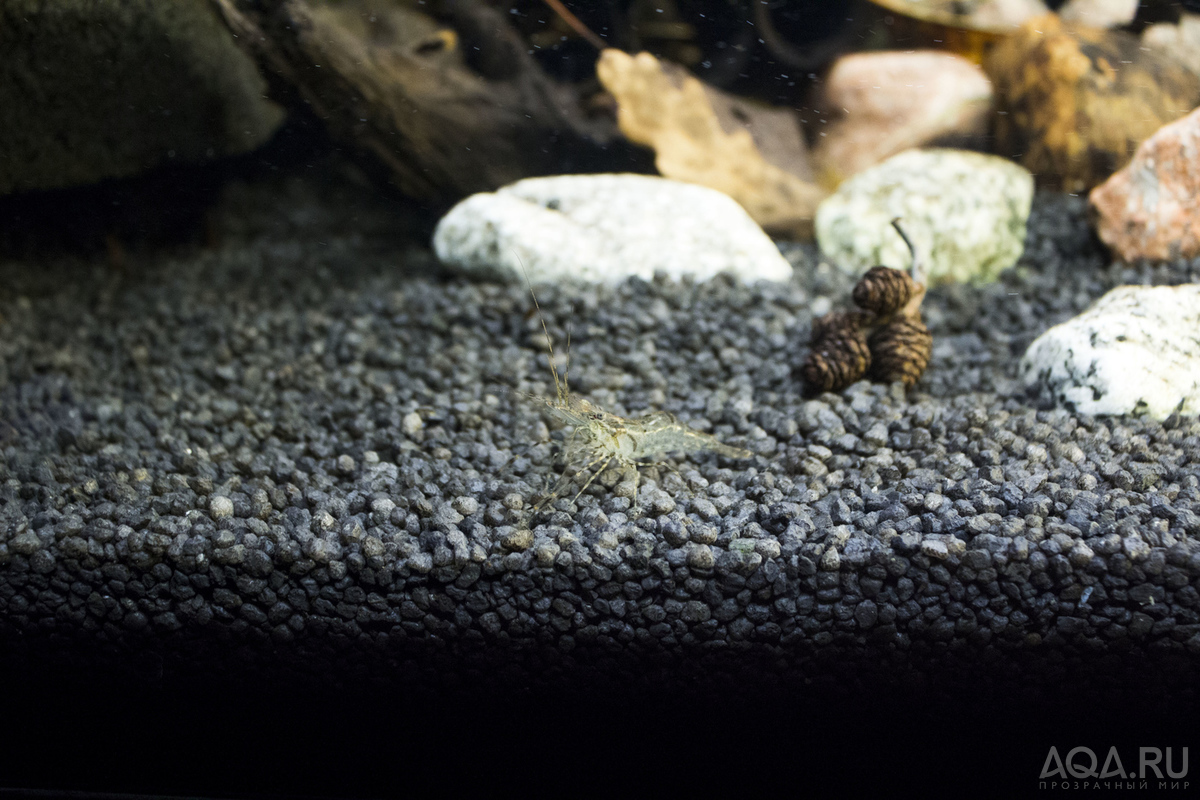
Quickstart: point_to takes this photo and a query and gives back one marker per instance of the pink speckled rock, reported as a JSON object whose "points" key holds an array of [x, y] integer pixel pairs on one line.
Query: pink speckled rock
{"points": [[1150, 209]]}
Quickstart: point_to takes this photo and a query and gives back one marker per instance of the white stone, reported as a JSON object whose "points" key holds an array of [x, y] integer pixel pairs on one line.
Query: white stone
{"points": [[935, 549], [412, 423], [603, 229], [1135, 351], [965, 212], [220, 507]]}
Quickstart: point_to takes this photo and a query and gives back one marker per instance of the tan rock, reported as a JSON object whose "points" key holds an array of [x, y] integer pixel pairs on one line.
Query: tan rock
{"points": [[1073, 103], [887, 102], [673, 113], [1181, 41], [1149, 209]]}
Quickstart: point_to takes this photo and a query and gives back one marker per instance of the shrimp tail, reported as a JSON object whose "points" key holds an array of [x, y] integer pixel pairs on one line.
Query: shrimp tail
{"points": [[664, 433], [694, 441], [728, 451]]}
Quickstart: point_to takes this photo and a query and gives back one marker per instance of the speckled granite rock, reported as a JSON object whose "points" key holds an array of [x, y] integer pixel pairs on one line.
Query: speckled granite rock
{"points": [[603, 229], [95, 89], [1149, 208], [965, 210], [1136, 351], [883, 103]]}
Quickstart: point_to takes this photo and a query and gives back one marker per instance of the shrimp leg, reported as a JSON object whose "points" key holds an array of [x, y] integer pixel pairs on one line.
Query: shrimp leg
{"points": [[554, 491], [594, 475], [562, 479], [558, 485]]}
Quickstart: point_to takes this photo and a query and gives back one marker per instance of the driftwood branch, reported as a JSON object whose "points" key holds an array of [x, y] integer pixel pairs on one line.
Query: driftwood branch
{"points": [[448, 109]]}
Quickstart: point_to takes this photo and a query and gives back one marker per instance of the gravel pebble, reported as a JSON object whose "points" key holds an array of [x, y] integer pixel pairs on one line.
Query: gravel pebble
{"points": [[363, 496], [220, 507]]}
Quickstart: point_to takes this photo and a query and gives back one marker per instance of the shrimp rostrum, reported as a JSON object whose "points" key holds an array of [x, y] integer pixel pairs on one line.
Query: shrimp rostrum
{"points": [[600, 439]]}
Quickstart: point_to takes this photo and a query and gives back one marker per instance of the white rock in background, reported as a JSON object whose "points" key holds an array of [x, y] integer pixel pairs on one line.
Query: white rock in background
{"points": [[1135, 351], [1002, 13], [1099, 13], [965, 211], [603, 229], [1181, 41]]}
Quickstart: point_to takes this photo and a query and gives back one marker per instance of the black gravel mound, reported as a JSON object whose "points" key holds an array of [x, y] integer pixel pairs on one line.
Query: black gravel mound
{"points": [[302, 463]]}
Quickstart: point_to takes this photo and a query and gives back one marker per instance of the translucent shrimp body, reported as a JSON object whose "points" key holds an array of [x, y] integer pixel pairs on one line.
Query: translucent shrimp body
{"points": [[600, 439], [630, 441]]}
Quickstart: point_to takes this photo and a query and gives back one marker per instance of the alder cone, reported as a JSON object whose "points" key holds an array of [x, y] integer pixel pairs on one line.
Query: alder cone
{"points": [[901, 351], [884, 338], [884, 290], [839, 323], [837, 360]]}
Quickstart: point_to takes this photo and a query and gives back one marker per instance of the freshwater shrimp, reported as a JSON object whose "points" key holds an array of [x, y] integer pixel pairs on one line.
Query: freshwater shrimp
{"points": [[600, 438]]}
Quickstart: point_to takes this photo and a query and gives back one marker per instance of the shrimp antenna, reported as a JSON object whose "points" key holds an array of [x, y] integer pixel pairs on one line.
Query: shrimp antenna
{"points": [[567, 369], [560, 387]]}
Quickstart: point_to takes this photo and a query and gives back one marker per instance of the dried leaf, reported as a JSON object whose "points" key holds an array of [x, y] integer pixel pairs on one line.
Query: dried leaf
{"points": [[675, 115]]}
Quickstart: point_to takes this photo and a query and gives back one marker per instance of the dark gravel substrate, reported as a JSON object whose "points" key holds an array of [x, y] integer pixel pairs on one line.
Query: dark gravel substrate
{"points": [[301, 460]]}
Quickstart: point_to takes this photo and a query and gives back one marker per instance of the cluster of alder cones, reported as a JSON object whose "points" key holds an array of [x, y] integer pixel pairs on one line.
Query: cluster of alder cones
{"points": [[884, 339]]}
